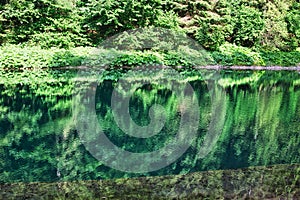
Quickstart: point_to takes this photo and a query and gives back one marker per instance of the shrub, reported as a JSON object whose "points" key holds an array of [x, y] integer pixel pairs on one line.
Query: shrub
{"points": [[60, 40], [42, 22], [230, 54], [281, 58], [173, 59], [23, 57], [248, 25], [214, 27], [62, 58], [275, 34], [137, 58], [293, 25], [210, 36], [17, 56], [106, 18], [167, 19]]}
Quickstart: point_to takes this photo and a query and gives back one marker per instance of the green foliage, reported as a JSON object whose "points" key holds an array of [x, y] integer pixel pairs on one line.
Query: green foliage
{"points": [[248, 25], [167, 19], [214, 25], [281, 58], [17, 56], [71, 57], [269, 25], [230, 54], [106, 18], [60, 40], [275, 35], [174, 59], [229, 21], [125, 59], [293, 24], [136, 59], [45, 22], [210, 36]]}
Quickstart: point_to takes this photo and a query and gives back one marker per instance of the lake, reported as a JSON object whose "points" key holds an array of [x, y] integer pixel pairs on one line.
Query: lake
{"points": [[221, 120]]}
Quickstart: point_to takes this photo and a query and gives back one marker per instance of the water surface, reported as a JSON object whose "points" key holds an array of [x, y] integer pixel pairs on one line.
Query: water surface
{"points": [[40, 142]]}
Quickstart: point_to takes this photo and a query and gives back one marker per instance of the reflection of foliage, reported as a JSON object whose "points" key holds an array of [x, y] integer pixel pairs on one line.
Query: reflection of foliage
{"points": [[39, 142], [262, 113], [31, 99]]}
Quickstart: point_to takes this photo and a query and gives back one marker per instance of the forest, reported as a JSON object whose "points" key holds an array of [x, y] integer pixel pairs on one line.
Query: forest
{"points": [[59, 33]]}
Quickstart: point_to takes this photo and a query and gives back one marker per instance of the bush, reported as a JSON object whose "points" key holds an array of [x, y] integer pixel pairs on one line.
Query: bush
{"points": [[293, 25], [137, 58], [213, 25], [60, 40], [25, 57], [248, 25], [167, 20], [281, 58], [210, 36], [20, 57], [62, 58], [106, 18], [15, 57], [272, 25], [275, 35], [230, 54], [174, 59], [42, 22]]}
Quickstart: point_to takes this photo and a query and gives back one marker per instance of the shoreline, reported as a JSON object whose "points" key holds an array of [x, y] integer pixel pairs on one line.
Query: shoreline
{"points": [[209, 67], [258, 182], [271, 68]]}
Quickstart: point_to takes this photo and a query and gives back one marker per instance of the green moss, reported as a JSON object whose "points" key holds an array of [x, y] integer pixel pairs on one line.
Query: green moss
{"points": [[280, 181]]}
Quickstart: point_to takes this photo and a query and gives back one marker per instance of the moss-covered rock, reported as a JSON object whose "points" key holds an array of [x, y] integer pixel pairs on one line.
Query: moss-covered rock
{"points": [[280, 181]]}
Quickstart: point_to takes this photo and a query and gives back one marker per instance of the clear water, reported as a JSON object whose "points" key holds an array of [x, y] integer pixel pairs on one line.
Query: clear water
{"points": [[257, 123]]}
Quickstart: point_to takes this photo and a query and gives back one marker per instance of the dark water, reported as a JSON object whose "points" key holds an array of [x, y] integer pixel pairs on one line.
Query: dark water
{"points": [[252, 118]]}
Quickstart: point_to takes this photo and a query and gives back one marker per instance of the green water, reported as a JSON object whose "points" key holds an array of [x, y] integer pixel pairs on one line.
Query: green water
{"points": [[257, 120]]}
